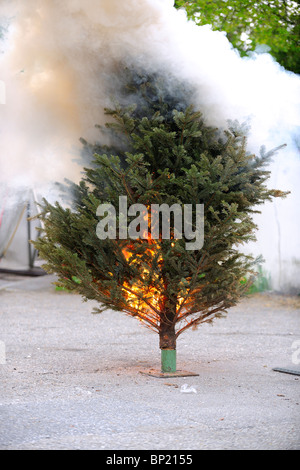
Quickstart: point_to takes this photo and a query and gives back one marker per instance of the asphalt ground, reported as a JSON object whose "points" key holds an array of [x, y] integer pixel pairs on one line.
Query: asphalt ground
{"points": [[72, 379]]}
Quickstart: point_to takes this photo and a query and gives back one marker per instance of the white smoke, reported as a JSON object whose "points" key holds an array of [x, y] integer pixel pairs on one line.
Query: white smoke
{"points": [[57, 61]]}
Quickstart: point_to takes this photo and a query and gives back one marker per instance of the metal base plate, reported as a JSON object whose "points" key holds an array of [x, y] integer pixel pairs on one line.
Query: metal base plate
{"points": [[168, 375]]}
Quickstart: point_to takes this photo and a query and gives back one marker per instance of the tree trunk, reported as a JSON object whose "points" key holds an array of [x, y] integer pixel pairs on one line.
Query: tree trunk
{"points": [[167, 342], [167, 336]]}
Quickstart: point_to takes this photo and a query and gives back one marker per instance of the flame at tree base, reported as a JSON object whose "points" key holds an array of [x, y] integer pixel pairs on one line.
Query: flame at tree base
{"points": [[145, 297]]}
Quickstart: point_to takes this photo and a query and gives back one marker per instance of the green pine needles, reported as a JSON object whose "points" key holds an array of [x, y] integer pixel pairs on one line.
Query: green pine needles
{"points": [[162, 152]]}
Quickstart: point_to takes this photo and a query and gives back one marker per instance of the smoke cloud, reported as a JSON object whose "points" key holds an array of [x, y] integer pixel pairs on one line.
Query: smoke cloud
{"points": [[58, 58]]}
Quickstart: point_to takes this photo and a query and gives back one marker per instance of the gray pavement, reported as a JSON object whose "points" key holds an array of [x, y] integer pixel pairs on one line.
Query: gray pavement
{"points": [[72, 379]]}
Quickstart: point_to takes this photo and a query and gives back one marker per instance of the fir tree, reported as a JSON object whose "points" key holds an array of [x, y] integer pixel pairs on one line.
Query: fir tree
{"points": [[162, 152]]}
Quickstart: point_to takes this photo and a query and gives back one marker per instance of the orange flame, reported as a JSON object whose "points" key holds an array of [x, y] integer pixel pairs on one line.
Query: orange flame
{"points": [[142, 297]]}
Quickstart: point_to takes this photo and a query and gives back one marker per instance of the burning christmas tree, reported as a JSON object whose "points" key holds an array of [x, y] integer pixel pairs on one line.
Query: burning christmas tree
{"points": [[162, 156]]}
